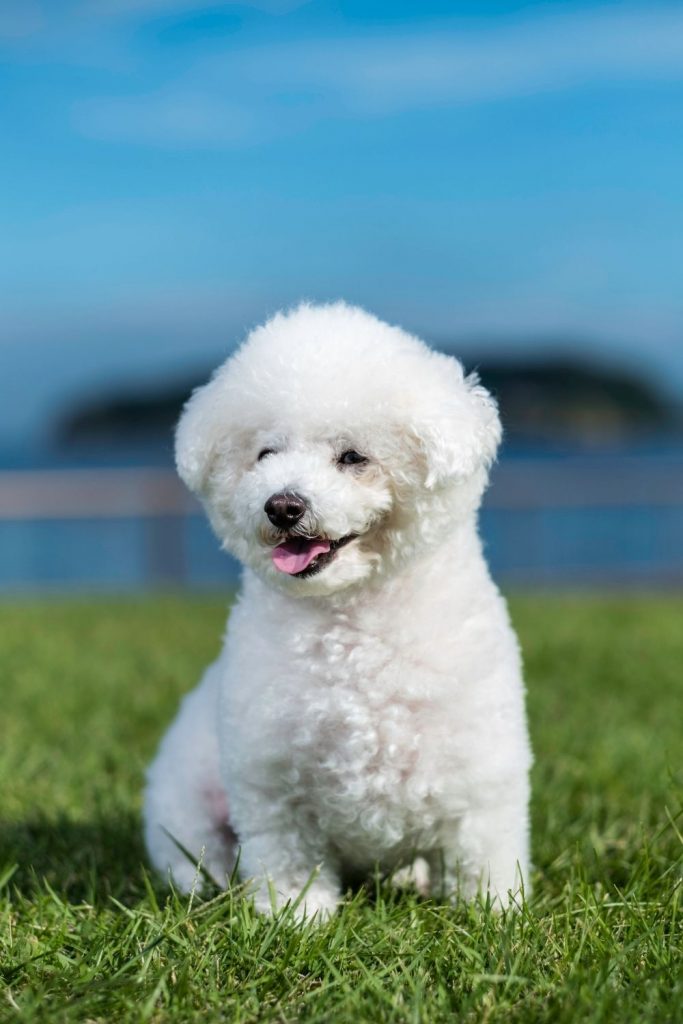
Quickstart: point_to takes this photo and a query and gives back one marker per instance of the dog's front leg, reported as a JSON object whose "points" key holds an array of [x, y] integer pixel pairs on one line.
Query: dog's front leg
{"points": [[287, 868], [486, 854]]}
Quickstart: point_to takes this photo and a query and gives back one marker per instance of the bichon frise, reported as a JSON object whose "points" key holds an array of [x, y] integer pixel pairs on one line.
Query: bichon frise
{"points": [[367, 707]]}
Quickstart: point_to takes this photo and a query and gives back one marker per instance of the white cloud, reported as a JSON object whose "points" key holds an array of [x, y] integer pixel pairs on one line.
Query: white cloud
{"points": [[249, 94], [165, 119]]}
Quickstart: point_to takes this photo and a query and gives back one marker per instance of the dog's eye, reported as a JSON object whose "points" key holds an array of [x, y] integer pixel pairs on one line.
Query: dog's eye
{"points": [[264, 452], [351, 458]]}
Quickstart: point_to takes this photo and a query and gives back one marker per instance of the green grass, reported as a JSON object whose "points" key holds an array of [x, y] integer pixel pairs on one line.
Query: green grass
{"points": [[86, 934]]}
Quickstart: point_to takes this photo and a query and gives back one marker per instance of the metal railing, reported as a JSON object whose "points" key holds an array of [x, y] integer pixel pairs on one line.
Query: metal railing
{"points": [[92, 494], [526, 512]]}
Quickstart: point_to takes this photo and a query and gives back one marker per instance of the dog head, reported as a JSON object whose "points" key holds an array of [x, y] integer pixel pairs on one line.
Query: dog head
{"points": [[333, 447]]}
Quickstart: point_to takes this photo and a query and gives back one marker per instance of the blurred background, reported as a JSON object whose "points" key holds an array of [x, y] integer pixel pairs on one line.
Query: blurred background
{"points": [[504, 179]]}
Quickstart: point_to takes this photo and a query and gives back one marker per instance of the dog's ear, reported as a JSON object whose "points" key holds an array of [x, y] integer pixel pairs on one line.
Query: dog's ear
{"points": [[197, 436], [461, 436]]}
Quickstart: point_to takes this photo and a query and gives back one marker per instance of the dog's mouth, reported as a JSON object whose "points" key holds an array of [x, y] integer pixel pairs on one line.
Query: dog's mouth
{"points": [[304, 556]]}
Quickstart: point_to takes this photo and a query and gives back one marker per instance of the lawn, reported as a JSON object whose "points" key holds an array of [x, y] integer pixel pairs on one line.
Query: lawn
{"points": [[87, 934]]}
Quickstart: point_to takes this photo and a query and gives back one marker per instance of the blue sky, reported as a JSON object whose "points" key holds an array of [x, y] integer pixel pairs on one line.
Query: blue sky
{"points": [[493, 174]]}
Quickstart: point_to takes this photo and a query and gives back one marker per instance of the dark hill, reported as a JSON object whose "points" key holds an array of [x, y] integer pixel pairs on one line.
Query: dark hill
{"points": [[543, 399], [563, 399]]}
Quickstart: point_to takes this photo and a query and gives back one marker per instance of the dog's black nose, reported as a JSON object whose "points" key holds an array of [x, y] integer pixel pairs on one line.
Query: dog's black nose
{"points": [[285, 510]]}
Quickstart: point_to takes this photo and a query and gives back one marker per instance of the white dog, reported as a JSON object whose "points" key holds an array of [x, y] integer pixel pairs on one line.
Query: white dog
{"points": [[368, 705]]}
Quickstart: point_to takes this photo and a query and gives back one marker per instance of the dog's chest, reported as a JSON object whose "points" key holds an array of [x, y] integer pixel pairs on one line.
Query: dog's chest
{"points": [[359, 742]]}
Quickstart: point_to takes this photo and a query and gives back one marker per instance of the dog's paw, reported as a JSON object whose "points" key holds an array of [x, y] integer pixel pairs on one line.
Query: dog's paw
{"points": [[314, 902], [413, 876]]}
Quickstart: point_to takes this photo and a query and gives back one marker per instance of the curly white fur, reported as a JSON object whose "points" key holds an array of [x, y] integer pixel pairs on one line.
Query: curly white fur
{"points": [[372, 712]]}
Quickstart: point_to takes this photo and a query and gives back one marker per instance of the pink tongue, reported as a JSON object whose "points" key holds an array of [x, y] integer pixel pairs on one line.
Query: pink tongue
{"points": [[295, 555]]}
